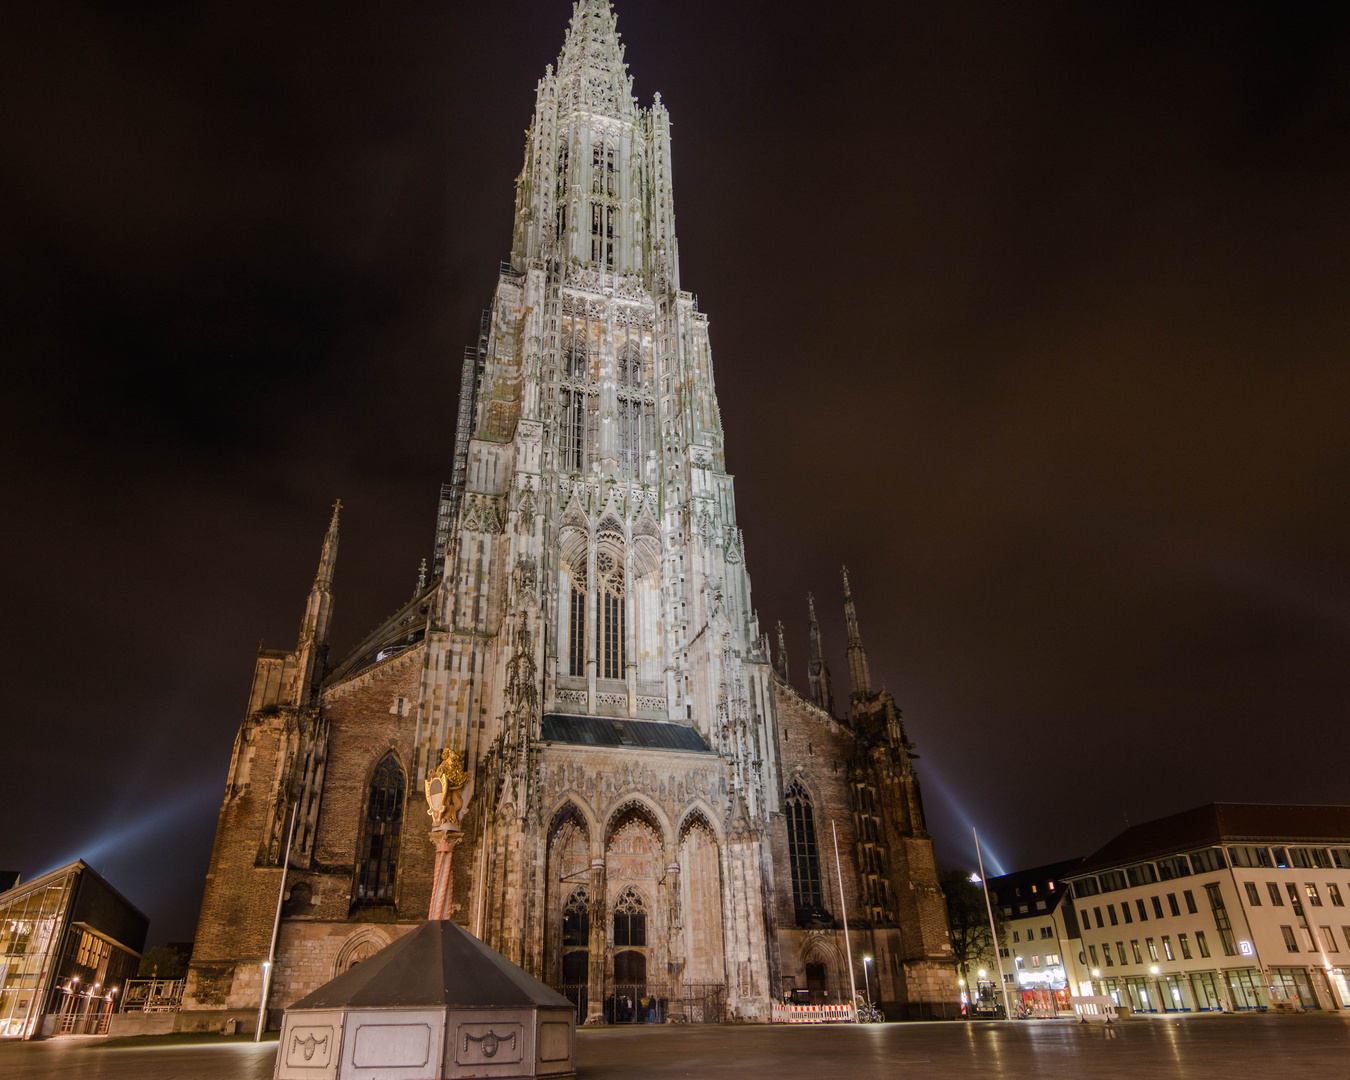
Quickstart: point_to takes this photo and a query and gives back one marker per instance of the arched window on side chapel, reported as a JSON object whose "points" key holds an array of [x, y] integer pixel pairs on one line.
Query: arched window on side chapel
{"points": [[802, 853], [381, 830]]}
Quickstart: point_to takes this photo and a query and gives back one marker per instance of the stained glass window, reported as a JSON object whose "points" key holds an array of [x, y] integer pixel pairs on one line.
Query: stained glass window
{"points": [[802, 854], [383, 824]]}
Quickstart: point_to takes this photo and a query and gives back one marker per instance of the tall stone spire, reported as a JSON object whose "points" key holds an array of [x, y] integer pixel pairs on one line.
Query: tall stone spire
{"points": [[781, 664], [858, 675], [313, 645], [822, 692]]}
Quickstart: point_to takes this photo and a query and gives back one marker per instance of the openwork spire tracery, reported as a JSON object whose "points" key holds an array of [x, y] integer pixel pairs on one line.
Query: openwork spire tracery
{"points": [[591, 72]]}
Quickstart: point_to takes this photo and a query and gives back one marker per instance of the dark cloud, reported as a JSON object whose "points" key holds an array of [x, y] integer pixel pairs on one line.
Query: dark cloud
{"points": [[1034, 316]]}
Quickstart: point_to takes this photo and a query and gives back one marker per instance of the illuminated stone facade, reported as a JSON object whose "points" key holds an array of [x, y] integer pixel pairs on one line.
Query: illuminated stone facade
{"points": [[585, 638]]}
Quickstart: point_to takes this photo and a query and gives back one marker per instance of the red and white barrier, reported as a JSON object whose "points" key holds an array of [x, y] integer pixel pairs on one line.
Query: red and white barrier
{"points": [[813, 1014]]}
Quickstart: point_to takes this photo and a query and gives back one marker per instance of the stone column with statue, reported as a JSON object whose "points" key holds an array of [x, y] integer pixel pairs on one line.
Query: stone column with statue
{"points": [[445, 804]]}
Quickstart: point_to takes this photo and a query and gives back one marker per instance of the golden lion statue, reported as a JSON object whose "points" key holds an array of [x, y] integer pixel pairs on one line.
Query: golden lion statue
{"points": [[443, 786]]}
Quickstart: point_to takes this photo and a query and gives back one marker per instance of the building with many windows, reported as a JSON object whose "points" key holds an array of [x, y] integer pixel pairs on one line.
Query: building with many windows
{"points": [[68, 943], [1040, 946], [649, 808], [1227, 906]]}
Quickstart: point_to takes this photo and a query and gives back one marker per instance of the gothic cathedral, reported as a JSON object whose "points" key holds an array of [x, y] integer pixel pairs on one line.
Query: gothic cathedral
{"points": [[650, 807]]}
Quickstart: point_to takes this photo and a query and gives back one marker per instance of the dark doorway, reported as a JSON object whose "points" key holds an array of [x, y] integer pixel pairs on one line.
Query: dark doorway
{"points": [[630, 1001], [577, 967], [576, 973], [630, 968], [815, 981]]}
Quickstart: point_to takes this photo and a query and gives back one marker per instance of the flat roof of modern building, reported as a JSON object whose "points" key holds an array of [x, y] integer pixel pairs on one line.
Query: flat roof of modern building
{"points": [[1219, 824]]}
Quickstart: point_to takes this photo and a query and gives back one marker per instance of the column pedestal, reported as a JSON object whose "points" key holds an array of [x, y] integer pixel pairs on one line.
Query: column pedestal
{"points": [[444, 839]]}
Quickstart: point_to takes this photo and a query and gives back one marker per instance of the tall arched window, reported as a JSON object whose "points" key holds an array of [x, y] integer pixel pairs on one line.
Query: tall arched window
{"points": [[383, 825], [578, 401], [560, 194], [576, 630], [802, 855], [635, 416], [610, 570], [630, 919], [576, 927]]}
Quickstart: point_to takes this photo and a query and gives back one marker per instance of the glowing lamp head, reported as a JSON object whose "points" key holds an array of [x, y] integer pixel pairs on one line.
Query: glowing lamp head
{"points": [[1096, 973], [981, 973], [1154, 969], [974, 879]]}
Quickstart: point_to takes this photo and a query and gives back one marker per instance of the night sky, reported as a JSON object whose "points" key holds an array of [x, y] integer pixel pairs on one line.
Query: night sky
{"points": [[1034, 315]]}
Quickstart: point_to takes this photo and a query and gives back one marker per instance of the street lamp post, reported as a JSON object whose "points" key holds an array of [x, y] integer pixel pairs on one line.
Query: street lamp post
{"points": [[867, 982], [993, 934]]}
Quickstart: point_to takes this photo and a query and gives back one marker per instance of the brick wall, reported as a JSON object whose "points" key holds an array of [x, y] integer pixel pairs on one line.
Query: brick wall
{"points": [[816, 749], [239, 904]]}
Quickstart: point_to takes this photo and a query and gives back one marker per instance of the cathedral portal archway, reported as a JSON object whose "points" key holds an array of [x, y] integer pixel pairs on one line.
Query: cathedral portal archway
{"points": [[567, 925]]}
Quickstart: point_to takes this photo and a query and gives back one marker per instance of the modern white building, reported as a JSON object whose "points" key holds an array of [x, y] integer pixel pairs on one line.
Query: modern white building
{"points": [[1225, 907], [1040, 946]]}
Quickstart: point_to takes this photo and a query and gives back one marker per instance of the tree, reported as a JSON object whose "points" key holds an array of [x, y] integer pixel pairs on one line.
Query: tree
{"points": [[161, 962], [969, 920]]}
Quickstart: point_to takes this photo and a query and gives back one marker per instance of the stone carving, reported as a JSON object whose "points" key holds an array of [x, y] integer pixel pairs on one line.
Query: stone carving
{"points": [[308, 1045], [527, 575], [490, 1042]]}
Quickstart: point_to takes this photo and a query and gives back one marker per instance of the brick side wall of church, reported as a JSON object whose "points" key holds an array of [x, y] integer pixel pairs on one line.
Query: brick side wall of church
{"points": [[817, 749], [363, 727], [240, 899]]}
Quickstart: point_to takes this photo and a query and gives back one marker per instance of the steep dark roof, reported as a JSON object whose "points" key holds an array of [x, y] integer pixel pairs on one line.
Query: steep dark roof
{"points": [[606, 731], [1223, 823], [438, 964], [1005, 887]]}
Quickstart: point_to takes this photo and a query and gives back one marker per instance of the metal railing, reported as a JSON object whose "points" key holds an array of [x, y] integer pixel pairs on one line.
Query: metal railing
{"points": [[152, 995], [653, 1003]]}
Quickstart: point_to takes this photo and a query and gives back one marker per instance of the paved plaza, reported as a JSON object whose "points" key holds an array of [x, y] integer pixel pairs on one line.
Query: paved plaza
{"points": [[1196, 1048]]}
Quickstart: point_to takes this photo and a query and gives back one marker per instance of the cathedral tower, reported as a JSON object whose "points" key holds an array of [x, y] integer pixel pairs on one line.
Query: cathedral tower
{"points": [[585, 640]]}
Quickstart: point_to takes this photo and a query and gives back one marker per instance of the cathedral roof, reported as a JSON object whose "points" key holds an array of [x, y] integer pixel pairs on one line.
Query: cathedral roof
{"points": [[606, 731], [438, 965]]}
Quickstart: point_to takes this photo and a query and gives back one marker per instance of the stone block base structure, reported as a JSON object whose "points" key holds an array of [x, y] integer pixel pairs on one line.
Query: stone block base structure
{"points": [[437, 1003]]}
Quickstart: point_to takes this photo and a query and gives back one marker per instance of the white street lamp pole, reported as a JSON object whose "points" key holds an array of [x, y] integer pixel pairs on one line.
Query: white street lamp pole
{"points": [[867, 982], [843, 907], [993, 934], [276, 929]]}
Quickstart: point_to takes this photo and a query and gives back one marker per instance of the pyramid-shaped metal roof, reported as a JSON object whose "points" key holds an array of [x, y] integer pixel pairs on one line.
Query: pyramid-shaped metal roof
{"points": [[440, 964]]}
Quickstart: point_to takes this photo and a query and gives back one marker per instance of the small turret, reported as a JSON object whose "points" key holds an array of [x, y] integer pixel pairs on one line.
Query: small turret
{"points": [[780, 665], [312, 648], [822, 692], [858, 675]]}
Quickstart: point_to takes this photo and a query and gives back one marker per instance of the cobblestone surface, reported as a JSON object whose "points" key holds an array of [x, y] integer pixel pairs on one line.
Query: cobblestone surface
{"points": [[1196, 1048]]}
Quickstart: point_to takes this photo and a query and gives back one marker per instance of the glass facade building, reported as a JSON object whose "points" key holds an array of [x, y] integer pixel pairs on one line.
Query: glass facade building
{"points": [[68, 942]]}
